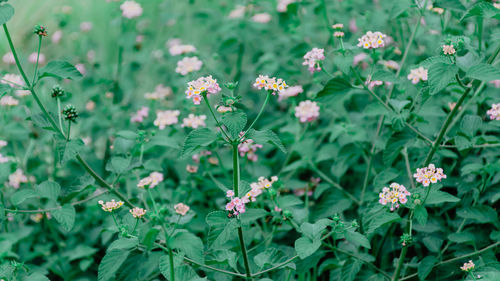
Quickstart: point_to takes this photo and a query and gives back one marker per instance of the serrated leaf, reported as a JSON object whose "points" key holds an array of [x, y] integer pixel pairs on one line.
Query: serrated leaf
{"points": [[65, 216], [420, 214], [425, 267], [470, 124], [36, 276], [357, 239], [438, 197], [395, 144], [481, 9], [123, 244], [266, 136], [350, 269], [60, 69], [6, 13], [189, 244], [235, 122], [335, 86], [110, 264], [306, 247], [118, 164], [381, 220], [440, 75], [313, 230], [221, 228], [73, 147], [196, 140], [484, 72], [49, 189], [481, 214]]}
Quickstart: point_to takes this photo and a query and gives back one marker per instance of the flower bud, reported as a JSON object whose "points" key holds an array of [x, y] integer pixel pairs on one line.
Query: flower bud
{"points": [[287, 214], [231, 85], [336, 218], [354, 223], [406, 239], [57, 91], [70, 113], [40, 30]]}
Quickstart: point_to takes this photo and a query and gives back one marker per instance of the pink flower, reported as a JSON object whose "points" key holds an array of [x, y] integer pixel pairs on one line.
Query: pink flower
{"points": [[194, 121], [312, 59], [138, 212], [151, 181], [16, 178], [248, 148], [494, 112], [449, 49], [428, 175], [229, 193], [418, 74], [191, 169], [276, 85], [372, 40], [188, 65], [468, 266], [166, 118], [85, 26], [131, 9], [202, 85], [290, 92], [56, 37], [261, 18], [8, 58], [181, 209], [139, 116], [110, 206], [396, 193], [307, 111]]}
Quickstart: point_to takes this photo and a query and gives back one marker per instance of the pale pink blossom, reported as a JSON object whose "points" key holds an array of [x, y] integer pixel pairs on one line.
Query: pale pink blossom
{"points": [[110, 206], [352, 26], [202, 85], [8, 58], [192, 169], [188, 65], [449, 49], [496, 83], [248, 148], [138, 212], [3, 143], [85, 26], [338, 34], [166, 118], [359, 58], [131, 9], [179, 49], [81, 68], [139, 116], [372, 40], [17, 178], [261, 18], [181, 209], [8, 101], [290, 92], [394, 195], [159, 93], [418, 74], [3, 159], [468, 266], [32, 58], [237, 12], [151, 181], [56, 36], [282, 6], [223, 108], [312, 59], [194, 121], [307, 111], [276, 85], [90, 105], [428, 175], [494, 112]]}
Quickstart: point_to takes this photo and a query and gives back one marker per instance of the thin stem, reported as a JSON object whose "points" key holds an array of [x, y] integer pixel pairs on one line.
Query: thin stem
{"points": [[276, 266], [37, 58], [334, 184], [408, 167], [59, 112], [205, 98], [400, 263], [69, 130], [266, 101], [14, 53]]}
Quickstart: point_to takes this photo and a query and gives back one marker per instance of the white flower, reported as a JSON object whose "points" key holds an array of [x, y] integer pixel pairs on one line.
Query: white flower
{"points": [[307, 111], [160, 92], [201, 85], [449, 49], [138, 212], [179, 49], [17, 178], [290, 92], [110, 206], [494, 112], [270, 84], [372, 40], [193, 121], [131, 9], [261, 18], [166, 118], [181, 209], [8, 101], [283, 5], [238, 12], [151, 181], [312, 59], [8, 58], [418, 74], [139, 116], [188, 65]]}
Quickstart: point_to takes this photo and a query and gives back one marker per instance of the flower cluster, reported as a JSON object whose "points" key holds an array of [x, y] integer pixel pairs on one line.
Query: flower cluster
{"points": [[151, 181], [271, 84], [138, 212], [428, 175], [261, 18], [16, 178], [8, 58], [223, 108], [8, 101], [181, 209], [192, 169], [194, 121], [166, 118], [418, 74], [40, 30], [203, 84], [307, 111], [449, 49], [180, 49], [468, 266], [160, 92], [3, 159], [312, 59], [110, 206], [236, 205], [248, 147], [57, 91], [290, 92], [259, 186], [139, 116], [282, 6], [372, 40], [494, 112], [14, 81], [188, 65], [395, 194], [131, 9]]}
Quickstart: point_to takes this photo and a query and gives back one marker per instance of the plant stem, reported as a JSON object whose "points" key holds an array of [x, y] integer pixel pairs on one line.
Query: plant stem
{"points": [[59, 112], [205, 98], [236, 182], [334, 184], [266, 101], [37, 58], [69, 130], [400, 263]]}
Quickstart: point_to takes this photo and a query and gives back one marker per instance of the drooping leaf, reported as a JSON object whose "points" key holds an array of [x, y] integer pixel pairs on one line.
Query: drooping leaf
{"points": [[65, 216], [49, 189], [60, 69], [333, 87], [440, 75], [425, 267], [110, 264], [266, 136], [235, 122], [357, 239], [484, 72], [196, 140], [306, 247]]}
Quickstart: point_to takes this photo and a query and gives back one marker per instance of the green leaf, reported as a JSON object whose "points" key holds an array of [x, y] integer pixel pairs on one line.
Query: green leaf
{"points": [[421, 214], [65, 216], [306, 247], [438, 197], [461, 237], [266, 136], [313, 231], [425, 267], [49, 189], [350, 269], [6, 13], [19, 196], [252, 214], [335, 86], [221, 230], [481, 214], [118, 164], [36, 276], [123, 244], [481, 9], [380, 220], [484, 72], [440, 75], [182, 271], [73, 147], [395, 144], [398, 104], [357, 238], [110, 264], [60, 69], [385, 76], [190, 244], [470, 124], [196, 140], [235, 122], [462, 143]]}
